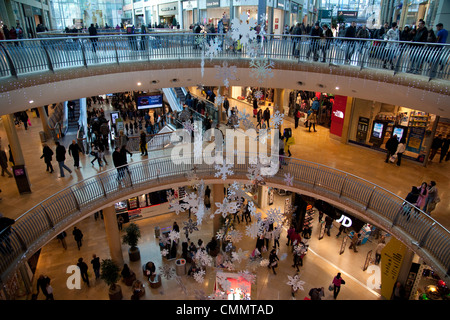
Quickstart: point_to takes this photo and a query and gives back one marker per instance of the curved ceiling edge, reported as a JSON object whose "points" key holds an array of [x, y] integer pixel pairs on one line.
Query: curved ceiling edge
{"points": [[377, 85]]}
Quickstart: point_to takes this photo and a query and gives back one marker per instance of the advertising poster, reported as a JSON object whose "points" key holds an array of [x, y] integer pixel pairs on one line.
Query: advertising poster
{"points": [[147, 102], [338, 115], [378, 130], [391, 261], [415, 139]]}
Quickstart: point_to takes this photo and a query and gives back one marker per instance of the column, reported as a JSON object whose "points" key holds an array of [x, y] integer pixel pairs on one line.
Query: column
{"points": [[21, 176], [113, 235], [278, 100], [218, 195], [347, 119], [44, 119]]}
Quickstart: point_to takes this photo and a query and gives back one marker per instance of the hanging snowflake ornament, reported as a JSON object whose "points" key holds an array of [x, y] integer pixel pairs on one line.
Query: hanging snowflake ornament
{"points": [[264, 262], [164, 252], [295, 282], [226, 207], [213, 48], [258, 94], [239, 255], [254, 173], [219, 99], [223, 282], [190, 226], [253, 230], [243, 29], [247, 276], [254, 263], [234, 236], [174, 235], [245, 120], [202, 258], [170, 196], [166, 271], [277, 119], [275, 216], [191, 201], [177, 207], [189, 126], [224, 170], [261, 69], [199, 276], [288, 179], [229, 265], [226, 73], [220, 234]]}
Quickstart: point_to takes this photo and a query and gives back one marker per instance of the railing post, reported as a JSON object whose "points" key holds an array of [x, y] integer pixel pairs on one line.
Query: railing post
{"points": [[83, 53], [370, 198], [76, 201], [47, 56], [12, 68], [50, 222], [115, 50], [342, 186], [103, 187]]}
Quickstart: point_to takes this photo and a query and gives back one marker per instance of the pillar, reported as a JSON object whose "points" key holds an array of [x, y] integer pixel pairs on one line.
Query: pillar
{"points": [[44, 119], [8, 122], [278, 100], [347, 119], [218, 195], [113, 235]]}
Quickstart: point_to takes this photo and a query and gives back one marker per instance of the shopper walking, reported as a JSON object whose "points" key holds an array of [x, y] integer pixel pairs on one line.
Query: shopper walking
{"points": [[74, 151], [61, 157], [423, 194], [444, 149], [96, 265], [328, 224], [273, 260], [62, 237], [354, 242], [78, 236], [47, 154], [337, 282], [391, 147], [400, 150], [435, 146], [143, 144], [41, 285], [378, 250], [312, 119], [290, 141], [83, 270], [317, 293], [432, 198], [4, 163], [266, 116]]}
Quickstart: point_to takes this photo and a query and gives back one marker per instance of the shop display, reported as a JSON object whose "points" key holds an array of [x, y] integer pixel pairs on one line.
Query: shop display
{"points": [[270, 197], [419, 119], [133, 203], [363, 127], [233, 286], [365, 233]]}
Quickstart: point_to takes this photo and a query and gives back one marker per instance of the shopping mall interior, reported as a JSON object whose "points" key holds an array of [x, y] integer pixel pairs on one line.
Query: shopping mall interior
{"points": [[336, 190]]}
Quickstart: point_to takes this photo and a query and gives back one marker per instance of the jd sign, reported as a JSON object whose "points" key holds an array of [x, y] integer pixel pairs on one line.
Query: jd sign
{"points": [[345, 221]]}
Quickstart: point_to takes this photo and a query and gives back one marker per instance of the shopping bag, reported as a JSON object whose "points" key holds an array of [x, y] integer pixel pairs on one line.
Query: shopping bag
{"points": [[393, 158], [330, 287], [29, 122]]}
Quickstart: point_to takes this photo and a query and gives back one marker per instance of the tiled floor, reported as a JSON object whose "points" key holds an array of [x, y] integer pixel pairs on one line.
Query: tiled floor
{"points": [[321, 263]]}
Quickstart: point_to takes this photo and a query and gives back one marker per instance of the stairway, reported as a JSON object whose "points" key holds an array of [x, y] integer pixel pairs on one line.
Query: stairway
{"points": [[180, 94], [72, 124]]}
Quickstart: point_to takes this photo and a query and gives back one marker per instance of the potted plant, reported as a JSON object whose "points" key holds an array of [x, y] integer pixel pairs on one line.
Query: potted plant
{"points": [[131, 238], [111, 274]]}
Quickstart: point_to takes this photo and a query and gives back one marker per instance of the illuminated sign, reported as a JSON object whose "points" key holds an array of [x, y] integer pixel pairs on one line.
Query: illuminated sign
{"points": [[345, 221]]}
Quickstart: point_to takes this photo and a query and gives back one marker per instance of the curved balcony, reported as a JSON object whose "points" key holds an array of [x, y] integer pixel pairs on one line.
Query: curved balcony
{"points": [[404, 73], [365, 200]]}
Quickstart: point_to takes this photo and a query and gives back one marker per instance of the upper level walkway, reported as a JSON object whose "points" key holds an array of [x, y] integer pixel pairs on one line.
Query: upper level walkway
{"points": [[316, 175], [413, 75]]}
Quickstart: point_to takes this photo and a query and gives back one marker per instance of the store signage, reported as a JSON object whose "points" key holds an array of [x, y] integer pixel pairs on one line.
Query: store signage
{"points": [[138, 11], [280, 4], [168, 9], [348, 14], [338, 115], [325, 14], [294, 7], [212, 3], [391, 261], [415, 139], [345, 221]]}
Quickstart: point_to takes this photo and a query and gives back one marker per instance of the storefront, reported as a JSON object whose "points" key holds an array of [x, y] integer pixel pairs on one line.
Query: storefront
{"points": [[295, 14], [190, 13], [373, 123], [168, 13], [215, 12], [144, 206]]}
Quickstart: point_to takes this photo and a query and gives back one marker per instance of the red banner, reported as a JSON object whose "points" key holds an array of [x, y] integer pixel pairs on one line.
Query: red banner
{"points": [[338, 115]]}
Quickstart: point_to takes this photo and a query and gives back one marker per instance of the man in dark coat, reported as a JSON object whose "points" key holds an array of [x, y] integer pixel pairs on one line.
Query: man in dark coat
{"points": [[391, 147], [4, 163], [74, 151], [61, 157], [266, 116], [83, 270], [350, 32], [78, 235]]}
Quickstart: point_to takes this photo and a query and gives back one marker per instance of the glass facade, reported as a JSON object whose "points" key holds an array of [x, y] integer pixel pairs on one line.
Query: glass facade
{"points": [[68, 13]]}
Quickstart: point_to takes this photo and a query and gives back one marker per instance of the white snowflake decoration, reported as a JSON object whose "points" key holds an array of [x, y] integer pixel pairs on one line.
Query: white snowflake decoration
{"points": [[275, 216], [229, 265], [223, 170], [258, 94], [164, 252], [246, 275], [201, 213], [174, 235], [277, 119], [199, 276], [226, 73], [202, 258], [223, 282], [253, 230], [261, 69], [264, 262], [288, 179], [219, 99], [167, 271], [177, 207], [234, 236], [243, 29], [213, 48], [295, 282], [220, 234], [254, 173], [226, 207], [239, 255], [245, 120], [189, 126], [190, 226], [192, 201]]}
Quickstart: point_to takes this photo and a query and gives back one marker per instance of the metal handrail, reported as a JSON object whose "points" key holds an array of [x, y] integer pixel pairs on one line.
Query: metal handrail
{"points": [[56, 53], [45, 220]]}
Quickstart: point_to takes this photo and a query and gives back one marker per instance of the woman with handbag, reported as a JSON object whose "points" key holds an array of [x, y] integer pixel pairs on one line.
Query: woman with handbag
{"points": [[337, 282], [273, 258]]}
